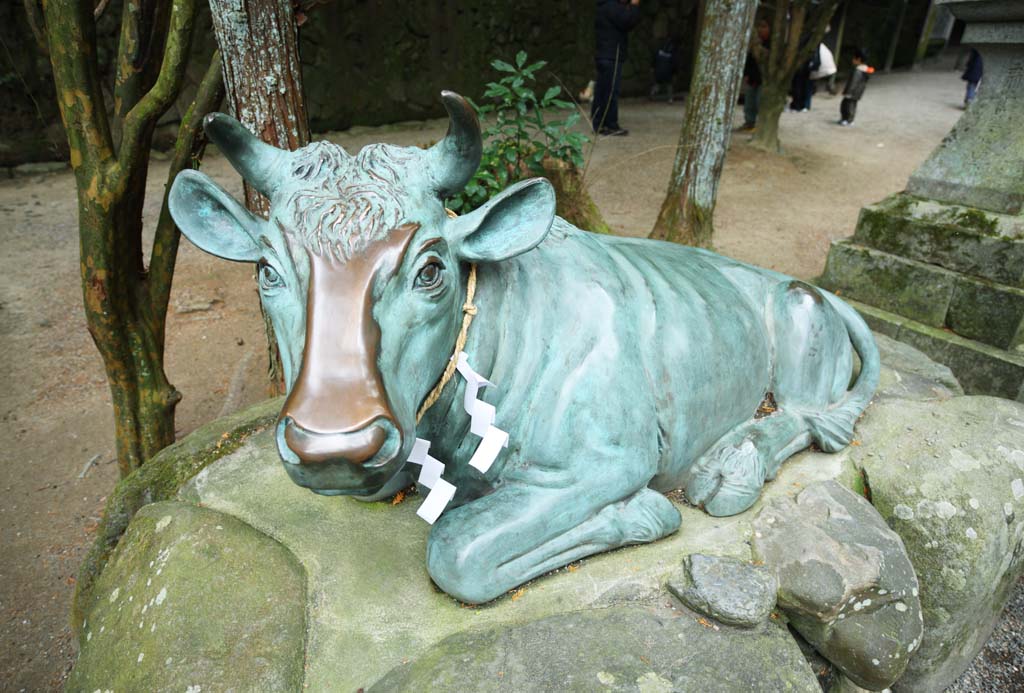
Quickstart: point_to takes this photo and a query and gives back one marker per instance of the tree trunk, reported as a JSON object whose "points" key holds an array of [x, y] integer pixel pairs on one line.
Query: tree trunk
{"points": [[125, 302], [894, 43], [574, 203], [773, 103], [797, 29], [259, 42], [686, 215]]}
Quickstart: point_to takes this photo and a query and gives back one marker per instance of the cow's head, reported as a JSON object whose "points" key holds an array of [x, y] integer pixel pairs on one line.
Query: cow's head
{"points": [[363, 275]]}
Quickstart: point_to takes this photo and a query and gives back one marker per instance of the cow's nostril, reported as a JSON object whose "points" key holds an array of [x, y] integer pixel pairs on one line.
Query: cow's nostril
{"points": [[357, 447]]}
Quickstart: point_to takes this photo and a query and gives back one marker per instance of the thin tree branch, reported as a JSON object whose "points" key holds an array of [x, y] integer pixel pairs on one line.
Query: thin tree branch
{"points": [[166, 89], [34, 14], [144, 26], [188, 150], [70, 24]]}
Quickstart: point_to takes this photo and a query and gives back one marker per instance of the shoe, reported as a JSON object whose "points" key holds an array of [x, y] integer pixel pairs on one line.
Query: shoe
{"points": [[613, 132], [746, 127], [844, 123], [804, 110]]}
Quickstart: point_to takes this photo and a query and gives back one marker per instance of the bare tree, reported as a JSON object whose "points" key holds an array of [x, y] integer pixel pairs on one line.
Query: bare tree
{"points": [[126, 300], [797, 27], [686, 215], [260, 44]]}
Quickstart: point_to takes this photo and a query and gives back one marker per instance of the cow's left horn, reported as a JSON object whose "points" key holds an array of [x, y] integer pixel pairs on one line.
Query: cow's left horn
{"points": [[455, 159], [258, 162]]}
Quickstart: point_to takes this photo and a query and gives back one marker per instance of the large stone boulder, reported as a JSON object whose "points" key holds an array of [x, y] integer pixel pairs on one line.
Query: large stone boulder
{"points": [[269, 587], [845, 581], [949, 478]]}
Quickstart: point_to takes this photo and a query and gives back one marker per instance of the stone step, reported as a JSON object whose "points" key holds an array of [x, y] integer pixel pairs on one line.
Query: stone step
{"points": [[974, 308], [961, 239], [980, 368]]}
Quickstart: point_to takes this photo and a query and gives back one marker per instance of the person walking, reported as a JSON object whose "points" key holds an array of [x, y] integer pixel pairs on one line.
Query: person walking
{"points": [[972, 75], [752, 78], [613, 22]]}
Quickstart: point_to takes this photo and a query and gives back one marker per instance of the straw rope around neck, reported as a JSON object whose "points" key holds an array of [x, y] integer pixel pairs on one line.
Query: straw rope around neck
{"points": [[468, 312]]}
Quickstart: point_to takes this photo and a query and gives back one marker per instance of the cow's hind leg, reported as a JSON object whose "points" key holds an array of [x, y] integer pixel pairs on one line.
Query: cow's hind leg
{"points": [[813, 361]]}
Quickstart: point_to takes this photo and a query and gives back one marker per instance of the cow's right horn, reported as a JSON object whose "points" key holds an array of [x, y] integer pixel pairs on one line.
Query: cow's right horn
{"points": [[455, 159], [259, 163]]}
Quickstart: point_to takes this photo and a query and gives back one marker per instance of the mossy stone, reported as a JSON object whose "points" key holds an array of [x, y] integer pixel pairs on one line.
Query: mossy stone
{"points": [[194, 600], [647, 648]]}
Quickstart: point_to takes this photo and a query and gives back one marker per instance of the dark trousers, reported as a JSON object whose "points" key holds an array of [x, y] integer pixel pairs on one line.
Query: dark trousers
{"points": [[802, 90], [848, 109], [604, 109]]}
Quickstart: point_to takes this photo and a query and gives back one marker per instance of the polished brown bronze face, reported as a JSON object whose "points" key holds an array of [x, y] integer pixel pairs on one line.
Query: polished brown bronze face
{"points": [[338, 394]]}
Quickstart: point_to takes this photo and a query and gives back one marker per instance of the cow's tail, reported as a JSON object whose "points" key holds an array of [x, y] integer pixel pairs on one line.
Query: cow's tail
{"points": [[832, 428]]}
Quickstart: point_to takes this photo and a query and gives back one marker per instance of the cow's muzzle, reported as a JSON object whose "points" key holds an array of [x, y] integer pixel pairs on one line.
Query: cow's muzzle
{"points": [[352, 463], [362, 447]]}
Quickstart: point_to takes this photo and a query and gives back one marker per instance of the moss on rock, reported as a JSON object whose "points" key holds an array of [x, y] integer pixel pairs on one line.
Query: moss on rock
{"points": [[194, 600], [157, 480]]}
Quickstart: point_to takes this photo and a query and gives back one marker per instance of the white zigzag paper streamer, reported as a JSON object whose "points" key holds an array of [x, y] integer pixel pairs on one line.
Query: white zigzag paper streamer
{"points": [[481, 424]]}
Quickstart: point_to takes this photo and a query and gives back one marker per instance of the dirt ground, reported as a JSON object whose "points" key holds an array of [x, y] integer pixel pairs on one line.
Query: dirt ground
{"points": [[779, 211]]}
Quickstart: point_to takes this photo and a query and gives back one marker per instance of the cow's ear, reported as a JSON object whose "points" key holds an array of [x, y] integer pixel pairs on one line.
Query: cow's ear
{"points": [[212, 219], [512, 222]]}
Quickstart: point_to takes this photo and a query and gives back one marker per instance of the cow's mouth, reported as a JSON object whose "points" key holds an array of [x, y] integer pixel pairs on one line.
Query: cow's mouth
{"points": [[357, 463]]}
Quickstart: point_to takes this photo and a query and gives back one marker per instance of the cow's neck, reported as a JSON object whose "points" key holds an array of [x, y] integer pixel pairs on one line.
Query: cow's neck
{"points": [[447, 423]]}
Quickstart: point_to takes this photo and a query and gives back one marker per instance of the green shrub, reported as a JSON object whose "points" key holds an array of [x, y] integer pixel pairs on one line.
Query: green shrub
{"points": [[519, 136]]}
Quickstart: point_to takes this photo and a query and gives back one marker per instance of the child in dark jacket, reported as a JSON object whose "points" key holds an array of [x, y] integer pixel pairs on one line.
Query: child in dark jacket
{"points": [[854, 89]]}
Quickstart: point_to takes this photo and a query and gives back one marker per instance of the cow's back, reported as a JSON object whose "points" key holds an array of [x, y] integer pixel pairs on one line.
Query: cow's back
{"points": [[656, 331]]}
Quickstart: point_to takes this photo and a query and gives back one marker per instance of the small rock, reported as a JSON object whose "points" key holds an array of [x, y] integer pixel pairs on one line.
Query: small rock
{"points": [[727, 589]]}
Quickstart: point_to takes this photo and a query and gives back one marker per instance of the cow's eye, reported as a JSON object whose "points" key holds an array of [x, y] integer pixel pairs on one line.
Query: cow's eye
{"points": [[268, 276], [429, 277]]}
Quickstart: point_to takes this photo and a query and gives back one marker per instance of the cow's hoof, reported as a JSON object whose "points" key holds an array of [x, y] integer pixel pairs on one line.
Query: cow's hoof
{"points": [[727, 481], [645, 517]]}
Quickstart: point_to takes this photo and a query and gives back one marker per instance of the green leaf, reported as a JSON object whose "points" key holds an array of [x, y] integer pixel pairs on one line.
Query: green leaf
{"points": [[551, 93], [502, 66], [520, 58]]}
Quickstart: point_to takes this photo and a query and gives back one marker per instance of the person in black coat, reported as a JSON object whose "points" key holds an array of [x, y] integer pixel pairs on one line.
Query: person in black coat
{"points": [[972, 75], [613, 22]]}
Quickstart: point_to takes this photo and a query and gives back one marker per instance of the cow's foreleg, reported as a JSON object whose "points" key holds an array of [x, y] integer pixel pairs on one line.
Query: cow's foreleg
{"points": [[481, 550]]}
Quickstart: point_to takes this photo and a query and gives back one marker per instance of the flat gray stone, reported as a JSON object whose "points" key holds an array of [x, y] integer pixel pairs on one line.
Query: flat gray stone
{"points": [[650, 649], [845, 581], [728, 590]]}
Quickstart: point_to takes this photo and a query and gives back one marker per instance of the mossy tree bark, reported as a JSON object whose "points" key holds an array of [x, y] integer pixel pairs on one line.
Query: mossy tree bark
{"points": [[686, 215], [126, 301], [797, 27], [263, 75]]}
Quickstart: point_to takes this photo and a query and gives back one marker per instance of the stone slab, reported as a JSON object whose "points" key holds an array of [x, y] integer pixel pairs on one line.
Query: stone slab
{"points": [[987, 312], [961, 239], [980, 368], [919, 291], [657, 649]]}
